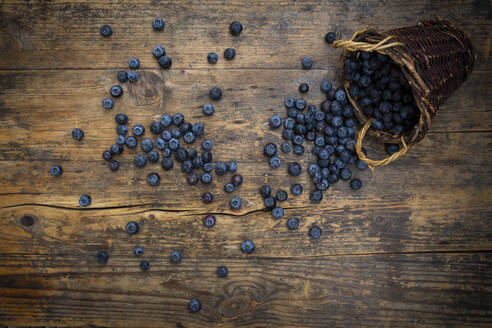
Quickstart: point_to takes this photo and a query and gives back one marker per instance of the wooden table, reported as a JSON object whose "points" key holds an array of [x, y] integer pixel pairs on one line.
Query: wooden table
{"points": [[412, 248]]}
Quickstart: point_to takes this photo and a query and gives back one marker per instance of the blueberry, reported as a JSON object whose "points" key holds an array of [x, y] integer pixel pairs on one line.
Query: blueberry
{"points": [[77, 134], [116, 149], [289, 123], [361, 165], [138, 250], [107, 103], [326, 86], [134, 63], [145, 265], [330, 37], [270, 202], [274, 162], [113, 165], [287, 134], [235, 28], [337, 121], [176, 133], [192, 179], [153, 156], [176, 257], [229, 53], [303, 87], [265, 191], [209, 221], [173, 144], [316, 196], [293, 223], [237, 180], [333, 178], [235, 203], [106, 30], [207, 167], [158, 24], [207, 145], [290, 102], [106, 156], [167, 164], [208, 109], [220, 168], [180, 155], [178, 119], [275, 121], [307, 63], [270, 149], [116, 91], [355, 184], [189, 137], [198, 129], [222, 271], [315, 232], [131, 142], [286, 147], [166, 152], [281, 195], [147, 145], [229, 187], [296, 189], [247, 246], [344, 156], [132, 227], [298, 149], [195, 305], [301, 104], [207, 197], [140, 160], [298, 140], [120, 140], [159, 51], [206, 178], [215, 93], [155, 127], [160, 143], [165, 62], [153, 179], [207, 157], [323, 185], [212, 58], [292, 112], [102, 257], [232, 167], [56, 170], [138, 130], [166, 120], [121, 119], [294, 169], [85, 200], [391, 148], [341, 96], [278, 212], [345, 173], [122, 129]]}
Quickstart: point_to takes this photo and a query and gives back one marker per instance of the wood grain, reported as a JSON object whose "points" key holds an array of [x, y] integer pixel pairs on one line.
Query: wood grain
{"points": [[412, 248]]}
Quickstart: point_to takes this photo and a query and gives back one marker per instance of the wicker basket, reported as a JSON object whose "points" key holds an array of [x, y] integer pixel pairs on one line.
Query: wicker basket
{"points": [[434, 56]]}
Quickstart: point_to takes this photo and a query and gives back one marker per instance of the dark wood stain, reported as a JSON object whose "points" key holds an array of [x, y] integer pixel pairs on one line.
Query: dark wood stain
{"points": [[412, 248]]}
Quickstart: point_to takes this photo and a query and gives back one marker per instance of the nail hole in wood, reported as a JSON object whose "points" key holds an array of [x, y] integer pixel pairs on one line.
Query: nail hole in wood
{"points": [[27, 220]]}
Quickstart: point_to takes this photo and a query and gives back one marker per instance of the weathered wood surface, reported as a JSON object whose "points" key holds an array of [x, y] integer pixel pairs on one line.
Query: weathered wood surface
{"points": [[412, 248]]}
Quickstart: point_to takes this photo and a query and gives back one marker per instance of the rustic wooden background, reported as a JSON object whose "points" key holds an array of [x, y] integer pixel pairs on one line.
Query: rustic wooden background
{"points": [[412, 248]]}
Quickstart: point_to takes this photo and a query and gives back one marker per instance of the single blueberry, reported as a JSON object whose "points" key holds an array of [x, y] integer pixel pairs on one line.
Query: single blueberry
{"points": [[134, 63], [326, 86], [145, 265], [275, 121], [235, 28], [122, 129], [232, 166], [330, 37], [237, 180], [294, 169], [307, 63], [215, 93], [274, 162], [102, 257], [299, 149], [270, 149], [247, 246], [290, 102], [140, 160], [176, 257], [222, 271], [173, 144], [166, 152], [167, 163], [166, 120], [192, 179], [301, 104], [113, 165], [315, 232], [265, 191], [147, 145], [206, 178], [56, 170], [159, 51], [138, 130], [278, 212], [296, 189], [235, 203], [355, 184], [195, 305], [131, 142], [116, 149], [208, 109], [293, 223], [107, 103], [229, 53], [212, 58], [209, 221], [120, 140], [207, 157], [316, 196], [106, 30], [207, 197], [153, 156], [286, 147], [116, 91], [132, 227], [165, 62], [281, 195], [85, 200], [189, 137], [345, 173], [229, 187], [160, 143], [303, 87], [158, 24], [77, 134]]}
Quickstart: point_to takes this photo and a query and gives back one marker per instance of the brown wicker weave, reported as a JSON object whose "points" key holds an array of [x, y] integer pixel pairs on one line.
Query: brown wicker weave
{"points": [[434, 56]]}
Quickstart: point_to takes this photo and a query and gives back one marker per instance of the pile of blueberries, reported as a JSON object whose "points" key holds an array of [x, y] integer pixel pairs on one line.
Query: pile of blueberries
{"points": [[381, 90]]}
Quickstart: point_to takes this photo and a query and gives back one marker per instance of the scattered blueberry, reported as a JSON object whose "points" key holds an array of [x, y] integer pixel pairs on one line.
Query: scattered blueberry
{"points": [[235, 203], [208, 109], [159, 51], [212, 58], [145, 265], [106, 30], [140, 160], [121, 119], [315, 232], [237, 180], [158, 23], [134, 63], [294, 169], [274, 162], [355, 184], [120, 140], [206, 178], [247, 246], [215, 93], [102, 257], [275, 121], [286, 147], [303, 87], [56, 170], [77, 134], [153, 156], [195, 305], [207, 197], [281, 195], [167, 163], [138, 250], [176, 257], [132, 227], [113, 165], [116, 91], [278, 212], [293, 223], [270, 202], [229, 53], [229, 187], [232, 167], [122, 130], [235, 28], [131, 142], [265, 191], [209, 221], [165, 62], [222, 271], [107, 103], [270, 149], [85, 200], [307, 63], [296, 189], [192, 179], [122, 76], [316, 196]]}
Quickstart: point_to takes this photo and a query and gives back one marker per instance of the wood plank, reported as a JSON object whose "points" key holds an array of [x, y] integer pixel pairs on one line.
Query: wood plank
{"points": [[402, 290], [36, 126], [277, 32]]}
